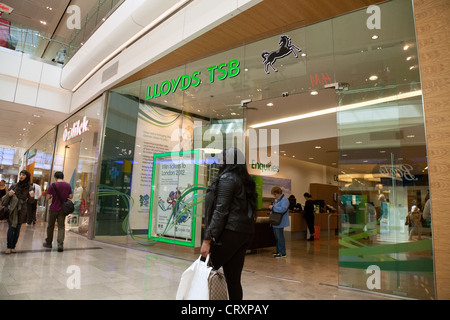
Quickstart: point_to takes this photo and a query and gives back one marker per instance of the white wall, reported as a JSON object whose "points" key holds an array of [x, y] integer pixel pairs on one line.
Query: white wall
{"points": [[32, 82]]}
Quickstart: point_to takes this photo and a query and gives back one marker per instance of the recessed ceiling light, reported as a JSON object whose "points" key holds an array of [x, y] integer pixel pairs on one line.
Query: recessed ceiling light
{"points": [[374, 37], [410, 136], [317, 147], [405, 47], [373, 78], [270, 104], [314, 93], [409, 58], [311, 158], [358, 142], [303, 54]]}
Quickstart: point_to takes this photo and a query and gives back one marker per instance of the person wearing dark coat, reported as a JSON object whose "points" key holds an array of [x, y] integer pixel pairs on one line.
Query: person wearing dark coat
{"points": [[229, 219], [18, 197]]}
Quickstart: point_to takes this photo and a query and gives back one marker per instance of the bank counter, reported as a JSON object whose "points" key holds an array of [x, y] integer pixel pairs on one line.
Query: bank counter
{"points": [[297, 229]]}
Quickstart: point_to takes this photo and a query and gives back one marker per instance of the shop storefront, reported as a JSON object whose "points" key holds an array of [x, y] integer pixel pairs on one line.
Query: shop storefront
{"points": [[72, 147], [334, 109]]}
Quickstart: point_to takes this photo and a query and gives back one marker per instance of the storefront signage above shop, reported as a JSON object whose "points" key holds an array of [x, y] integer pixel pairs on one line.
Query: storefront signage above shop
{"points": [[402, 171], [286, 48], [265, 167], [5, 8], [184, 82], [78, 128]]}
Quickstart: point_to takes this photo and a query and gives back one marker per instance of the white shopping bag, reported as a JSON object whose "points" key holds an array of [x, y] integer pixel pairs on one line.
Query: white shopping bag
{"points": [[194, 281]]}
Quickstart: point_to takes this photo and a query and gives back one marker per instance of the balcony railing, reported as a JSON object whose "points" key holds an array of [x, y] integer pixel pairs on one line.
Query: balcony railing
{"points": [[50, 48]]}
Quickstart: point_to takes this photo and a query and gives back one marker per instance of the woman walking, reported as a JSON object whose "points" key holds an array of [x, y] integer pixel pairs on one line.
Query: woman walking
{"points": [[18, 198]]}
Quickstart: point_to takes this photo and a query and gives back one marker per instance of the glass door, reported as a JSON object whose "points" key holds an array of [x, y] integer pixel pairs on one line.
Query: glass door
{"points": [[384, 245]]}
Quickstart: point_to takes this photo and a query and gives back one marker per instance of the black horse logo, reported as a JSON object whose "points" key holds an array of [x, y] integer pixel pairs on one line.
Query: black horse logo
{"points": [[285, 49]]}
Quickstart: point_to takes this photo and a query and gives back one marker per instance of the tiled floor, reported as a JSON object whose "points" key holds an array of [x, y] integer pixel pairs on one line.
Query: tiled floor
{"points": [[113, 272]]}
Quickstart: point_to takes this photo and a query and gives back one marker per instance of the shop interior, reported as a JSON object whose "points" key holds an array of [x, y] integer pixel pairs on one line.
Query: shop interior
{"points": [[358, 147]]}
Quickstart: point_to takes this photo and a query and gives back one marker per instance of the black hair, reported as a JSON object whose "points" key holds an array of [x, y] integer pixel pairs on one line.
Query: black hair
{"points": [[59, 175], [239, 167], [307, 195]]}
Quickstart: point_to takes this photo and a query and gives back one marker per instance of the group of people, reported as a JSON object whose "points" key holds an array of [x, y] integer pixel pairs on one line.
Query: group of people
{"points": [[20, 202]]}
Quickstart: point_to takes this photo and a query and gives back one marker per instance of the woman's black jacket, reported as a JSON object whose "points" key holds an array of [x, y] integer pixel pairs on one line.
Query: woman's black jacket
{"points": [[227, 207]]}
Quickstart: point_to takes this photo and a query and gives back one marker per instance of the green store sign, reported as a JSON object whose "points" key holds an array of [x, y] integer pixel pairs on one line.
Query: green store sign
{"points": [[184, 82]]}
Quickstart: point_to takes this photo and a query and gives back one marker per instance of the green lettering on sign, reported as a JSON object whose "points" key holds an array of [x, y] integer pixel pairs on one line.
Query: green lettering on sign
{"points": [[184, 82]]}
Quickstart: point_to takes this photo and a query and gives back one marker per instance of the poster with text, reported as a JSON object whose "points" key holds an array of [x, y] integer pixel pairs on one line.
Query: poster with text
{"points": [[172, 216], [157, 131]]}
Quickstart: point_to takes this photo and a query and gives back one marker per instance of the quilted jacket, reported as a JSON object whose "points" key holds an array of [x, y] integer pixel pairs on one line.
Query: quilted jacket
{"points": [[227, 208]]}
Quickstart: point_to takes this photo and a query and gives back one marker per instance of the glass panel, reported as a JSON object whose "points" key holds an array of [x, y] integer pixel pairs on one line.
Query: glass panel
{"points": [[76, 156], [382, 156], [38, 163]]}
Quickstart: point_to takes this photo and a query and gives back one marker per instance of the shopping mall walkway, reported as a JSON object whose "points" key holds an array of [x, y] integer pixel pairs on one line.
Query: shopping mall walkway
{"points": [[114, 272]]}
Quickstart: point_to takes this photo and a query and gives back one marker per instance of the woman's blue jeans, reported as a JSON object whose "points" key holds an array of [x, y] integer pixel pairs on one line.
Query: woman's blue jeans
{"points": [[280, 241]]}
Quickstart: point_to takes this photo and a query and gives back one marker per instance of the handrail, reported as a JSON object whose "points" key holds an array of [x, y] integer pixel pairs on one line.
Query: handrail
{"points": [[34, 42]]}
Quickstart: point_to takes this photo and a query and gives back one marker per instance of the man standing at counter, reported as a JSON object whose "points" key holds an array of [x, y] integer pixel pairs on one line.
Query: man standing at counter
{"points": [[280, 205]]}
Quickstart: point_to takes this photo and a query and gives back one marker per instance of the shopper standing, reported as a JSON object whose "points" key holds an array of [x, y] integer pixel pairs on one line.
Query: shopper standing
{"points": [[55, 213], [32, 207], [280, 205], [309, 215], [229, 219], [18, 197]]}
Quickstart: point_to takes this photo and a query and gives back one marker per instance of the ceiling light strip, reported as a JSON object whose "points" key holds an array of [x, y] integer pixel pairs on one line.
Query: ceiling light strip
{"points": [[150, 26], [338, 109]]}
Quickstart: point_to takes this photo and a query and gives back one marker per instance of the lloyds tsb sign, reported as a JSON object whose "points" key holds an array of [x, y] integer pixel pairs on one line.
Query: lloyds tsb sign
{"points": [[186, 81]]}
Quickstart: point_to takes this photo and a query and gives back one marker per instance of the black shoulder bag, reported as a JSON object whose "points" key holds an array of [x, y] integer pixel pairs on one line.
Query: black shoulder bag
{"points": [[276, 217], [67, 206]]}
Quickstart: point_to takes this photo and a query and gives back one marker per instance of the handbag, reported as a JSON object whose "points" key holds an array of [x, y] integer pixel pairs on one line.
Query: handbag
{"points": [[217, 285], [67, 206], [408, 220], [194, 281], [275, 218], [4, 213]]}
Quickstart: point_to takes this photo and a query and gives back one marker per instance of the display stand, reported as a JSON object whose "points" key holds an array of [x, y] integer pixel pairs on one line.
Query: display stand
{"points": [[176, 203]]}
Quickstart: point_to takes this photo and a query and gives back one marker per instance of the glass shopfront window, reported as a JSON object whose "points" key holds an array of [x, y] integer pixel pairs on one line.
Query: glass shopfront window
{"points": [[39, 163], [337, 114], [76, 154]]}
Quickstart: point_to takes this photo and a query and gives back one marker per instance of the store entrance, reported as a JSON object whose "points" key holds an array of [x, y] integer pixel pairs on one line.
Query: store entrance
{"points": [[304, 161]]}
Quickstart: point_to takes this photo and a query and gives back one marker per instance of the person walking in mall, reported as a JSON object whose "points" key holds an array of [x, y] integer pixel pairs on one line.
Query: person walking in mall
{"points": [[31, 219], [229, 219], [18, 197], [309, 215], [280, 205], [55, 213]]}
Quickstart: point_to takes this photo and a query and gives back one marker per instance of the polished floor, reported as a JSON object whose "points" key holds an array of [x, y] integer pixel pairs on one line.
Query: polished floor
{"points": [[110, 272]]}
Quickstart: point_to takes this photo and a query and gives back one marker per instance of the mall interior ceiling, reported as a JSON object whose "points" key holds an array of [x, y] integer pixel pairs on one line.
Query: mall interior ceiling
{"points": [[21, 126]]}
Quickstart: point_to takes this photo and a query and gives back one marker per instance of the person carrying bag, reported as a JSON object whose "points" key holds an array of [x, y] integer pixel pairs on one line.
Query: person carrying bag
{"points": [[57, 192], [280, 206]]}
